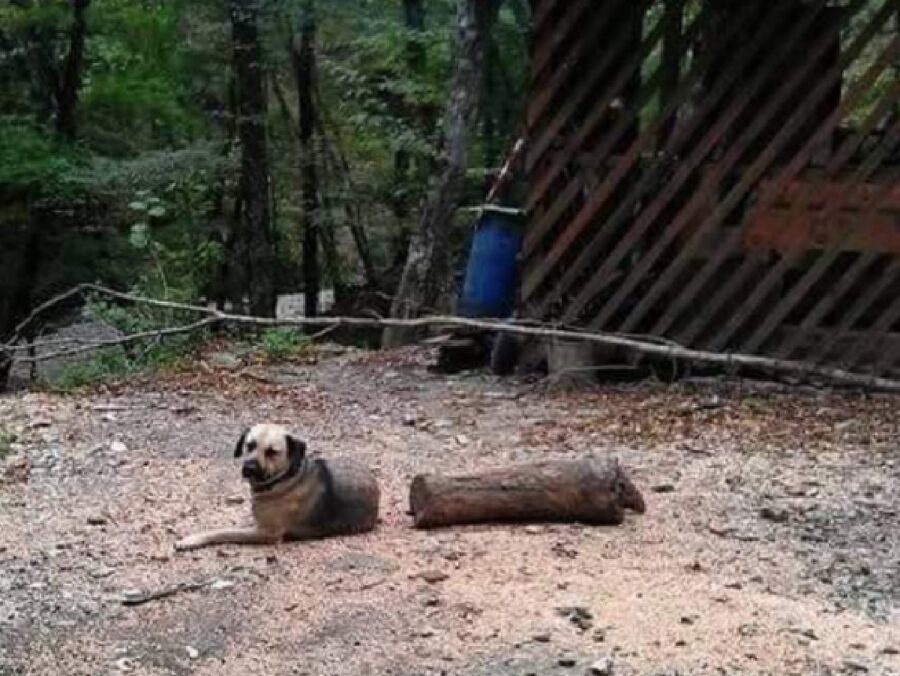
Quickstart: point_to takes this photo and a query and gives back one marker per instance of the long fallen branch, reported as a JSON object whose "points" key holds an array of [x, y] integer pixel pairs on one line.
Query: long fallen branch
{"points": [[645, 345]]}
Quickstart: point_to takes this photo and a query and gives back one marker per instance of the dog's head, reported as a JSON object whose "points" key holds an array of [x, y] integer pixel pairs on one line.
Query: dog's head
{"points": [[270, 450]]}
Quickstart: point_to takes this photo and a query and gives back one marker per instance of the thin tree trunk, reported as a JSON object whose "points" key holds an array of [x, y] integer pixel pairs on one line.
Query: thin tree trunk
{"points": [[426, 275], [70, 82], [255, 242], [304, 59], [487, 17], [20, 299], [354, 217], [416, 60], [673, 19]]}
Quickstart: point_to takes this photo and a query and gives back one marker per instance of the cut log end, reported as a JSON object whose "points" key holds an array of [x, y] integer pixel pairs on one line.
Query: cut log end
{"points": [[591, 490]]}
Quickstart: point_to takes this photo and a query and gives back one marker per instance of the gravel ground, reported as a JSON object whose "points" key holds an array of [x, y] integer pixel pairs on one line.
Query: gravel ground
{"points": [[771, 542]]}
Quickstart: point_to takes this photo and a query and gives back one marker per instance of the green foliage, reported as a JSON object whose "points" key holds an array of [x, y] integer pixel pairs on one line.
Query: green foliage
{"points": [[144, 198], [32, 160], [282, 344], [119, 362], [110, 364]]}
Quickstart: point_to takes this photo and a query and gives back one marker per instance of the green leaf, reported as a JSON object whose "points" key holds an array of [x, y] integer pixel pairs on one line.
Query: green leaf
{"points": [[139, 237]]}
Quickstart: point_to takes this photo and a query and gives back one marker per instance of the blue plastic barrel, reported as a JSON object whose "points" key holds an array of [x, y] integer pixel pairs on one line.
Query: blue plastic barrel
{"points": [[489, 289]]}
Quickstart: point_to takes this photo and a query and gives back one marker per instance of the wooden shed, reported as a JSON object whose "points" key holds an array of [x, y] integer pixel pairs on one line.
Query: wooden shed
{"points": [[720, 173]]}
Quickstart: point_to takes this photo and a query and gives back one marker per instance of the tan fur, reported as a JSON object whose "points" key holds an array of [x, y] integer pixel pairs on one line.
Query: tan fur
{"points": [[292, 508]]}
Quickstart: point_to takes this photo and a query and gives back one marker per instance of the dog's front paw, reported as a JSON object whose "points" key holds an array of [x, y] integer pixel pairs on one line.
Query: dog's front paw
{"points": [[189, 543]]}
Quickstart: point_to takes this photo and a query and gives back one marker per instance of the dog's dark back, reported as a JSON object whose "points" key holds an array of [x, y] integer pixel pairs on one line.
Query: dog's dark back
{"points": [[350, 500]]}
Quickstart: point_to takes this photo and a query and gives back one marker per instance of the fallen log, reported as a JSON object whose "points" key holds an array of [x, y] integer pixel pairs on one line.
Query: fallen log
{"points": [[592, 490]]}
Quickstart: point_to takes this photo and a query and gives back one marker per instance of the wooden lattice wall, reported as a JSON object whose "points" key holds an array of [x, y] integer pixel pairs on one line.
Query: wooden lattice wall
{"points": [[722, 174]]}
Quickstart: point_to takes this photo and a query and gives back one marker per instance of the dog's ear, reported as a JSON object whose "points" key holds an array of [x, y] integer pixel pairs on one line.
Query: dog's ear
{"points": [[239, 449], [296, 447]]}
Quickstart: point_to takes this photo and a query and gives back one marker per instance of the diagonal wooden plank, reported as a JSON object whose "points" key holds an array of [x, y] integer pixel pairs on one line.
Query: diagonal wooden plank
{"points": [[545, 83], [812, 275], [652, 177], [699, 199], [749, 178], [827, 303], [589, 85], [766, 284], [542, 10], [890, 276], [588, 126], [873, 340], [560, 35], [726, 291]]}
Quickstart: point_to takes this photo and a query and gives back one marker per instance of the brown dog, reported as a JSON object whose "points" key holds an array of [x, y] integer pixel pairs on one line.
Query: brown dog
{"points": [[293, 497]]}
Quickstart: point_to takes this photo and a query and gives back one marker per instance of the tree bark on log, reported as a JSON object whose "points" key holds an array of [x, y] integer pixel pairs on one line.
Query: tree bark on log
{"points": [[592, 490]]}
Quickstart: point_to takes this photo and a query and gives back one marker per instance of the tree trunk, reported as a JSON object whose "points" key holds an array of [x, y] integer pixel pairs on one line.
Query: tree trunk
{"points": [[19, 280], [487, 17], [426, 275], [588, 491], [414, 21], [673, 19], [254, 239], [303, 58], [416, 61], [70, 82]]}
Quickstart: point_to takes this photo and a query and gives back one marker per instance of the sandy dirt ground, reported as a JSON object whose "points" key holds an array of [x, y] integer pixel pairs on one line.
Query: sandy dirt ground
{"points": [[771, 542]]}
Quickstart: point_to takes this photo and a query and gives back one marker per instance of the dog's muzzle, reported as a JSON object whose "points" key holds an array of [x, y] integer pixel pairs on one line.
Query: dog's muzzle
{"points": [[251, 469]]}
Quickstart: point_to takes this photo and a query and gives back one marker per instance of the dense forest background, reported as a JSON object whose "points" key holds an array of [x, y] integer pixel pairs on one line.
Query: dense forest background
{"points": [[228, 152]]}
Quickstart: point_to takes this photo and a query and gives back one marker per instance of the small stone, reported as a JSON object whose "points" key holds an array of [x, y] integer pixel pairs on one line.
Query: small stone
{"points": [[680, 643], [225, 360], [533, 530], [409, 420], [567, 662], [118, 447], [601, 667], [425, 632], [687, 619], [541, 638], [855, 667], [890, 650], [96, 520], [431, 601], [808, 633], [100, 573], [234, 500], [125, 664], [219, 583], [132, 595], [599, 635], [433, 576], [580, 616], [192, 652], [773, 514], [663, 488]]}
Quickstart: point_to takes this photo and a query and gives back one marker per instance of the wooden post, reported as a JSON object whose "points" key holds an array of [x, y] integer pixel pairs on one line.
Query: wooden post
{"points": [[591, 490]]}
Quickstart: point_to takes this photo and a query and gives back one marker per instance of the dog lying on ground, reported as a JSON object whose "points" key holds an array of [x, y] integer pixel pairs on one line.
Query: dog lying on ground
{"points": [[293, 497]]}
